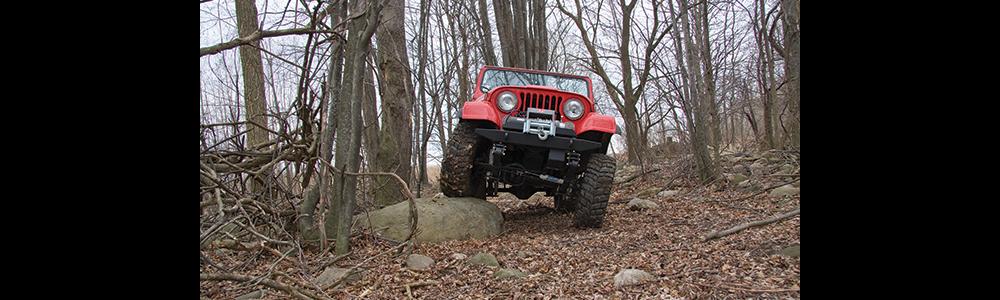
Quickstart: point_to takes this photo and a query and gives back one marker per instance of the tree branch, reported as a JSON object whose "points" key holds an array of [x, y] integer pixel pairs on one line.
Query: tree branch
{"points": [[741, 227]]}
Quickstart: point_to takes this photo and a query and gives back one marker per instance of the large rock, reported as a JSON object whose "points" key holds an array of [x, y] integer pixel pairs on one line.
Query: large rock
{"points": [[641, 204], [332, 274], [483, 259], [786, 169], [785, 190], [734, 178], [419, 262], [509, 273], [668, 193], [628, 277], [439, 219], [790, 251]]}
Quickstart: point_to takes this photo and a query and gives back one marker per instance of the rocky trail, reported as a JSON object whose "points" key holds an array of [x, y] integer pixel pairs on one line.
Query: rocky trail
{"points": [[652, 246]]}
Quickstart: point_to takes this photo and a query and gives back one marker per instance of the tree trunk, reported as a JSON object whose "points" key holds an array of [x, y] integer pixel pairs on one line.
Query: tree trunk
{"points": [[316, 192], [486, 34], [421, 157], [369, 113], [348, 149], [790, 26], [766, 76], [255, 106], [715, 132], [540, 36], [505, 23], [698, 126], [397, 103], [632, 135]]}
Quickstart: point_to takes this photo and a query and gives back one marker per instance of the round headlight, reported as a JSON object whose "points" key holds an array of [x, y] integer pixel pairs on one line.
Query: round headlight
{"points": [[573, 109], [506, 101]]}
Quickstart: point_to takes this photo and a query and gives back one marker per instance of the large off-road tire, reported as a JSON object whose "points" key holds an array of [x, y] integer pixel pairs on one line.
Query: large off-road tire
{"points": [[457, 176], [593, 190]]}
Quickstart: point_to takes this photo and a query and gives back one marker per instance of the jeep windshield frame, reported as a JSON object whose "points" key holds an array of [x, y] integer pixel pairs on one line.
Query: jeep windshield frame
{"points": [[493, 78]]}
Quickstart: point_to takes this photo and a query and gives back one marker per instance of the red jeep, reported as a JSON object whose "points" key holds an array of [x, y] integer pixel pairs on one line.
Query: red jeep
{"points": [[526, 131]]}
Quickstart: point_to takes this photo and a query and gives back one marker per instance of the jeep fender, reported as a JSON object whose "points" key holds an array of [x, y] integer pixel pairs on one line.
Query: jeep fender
{"points": [[596, 122], [481, 110]]}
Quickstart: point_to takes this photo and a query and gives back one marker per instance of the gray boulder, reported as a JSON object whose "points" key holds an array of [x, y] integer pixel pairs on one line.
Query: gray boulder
{"points": [[668, 193], [419, 262], [785, 190], [509, 273], [641, 204], [735, 178], [786, 169], [790, 251], [439, 219], [483, 259], [332, 274], [748, 185], [629, 277]]}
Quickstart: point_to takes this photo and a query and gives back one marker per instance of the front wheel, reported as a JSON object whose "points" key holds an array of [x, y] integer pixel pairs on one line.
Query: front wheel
{"points": [[458, 178], [593, 190]]}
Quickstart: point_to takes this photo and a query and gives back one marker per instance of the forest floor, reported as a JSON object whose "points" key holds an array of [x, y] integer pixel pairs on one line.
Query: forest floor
{"points": [[562, 261]]}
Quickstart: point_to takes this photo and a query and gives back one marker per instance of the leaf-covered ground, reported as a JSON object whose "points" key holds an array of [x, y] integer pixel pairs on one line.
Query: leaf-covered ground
{"points": [[565, 262]]}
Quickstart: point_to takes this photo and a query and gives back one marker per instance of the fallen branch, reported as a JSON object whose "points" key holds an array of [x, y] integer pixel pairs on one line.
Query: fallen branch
{"points": [[294, 291], [741, 227], [633, 177]]}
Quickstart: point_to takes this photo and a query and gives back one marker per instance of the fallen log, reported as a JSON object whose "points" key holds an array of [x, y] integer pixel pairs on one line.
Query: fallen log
{"points": [[741, 227]]}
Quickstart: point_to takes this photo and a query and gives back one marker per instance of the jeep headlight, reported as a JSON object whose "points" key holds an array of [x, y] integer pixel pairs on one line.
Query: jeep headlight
{"points": [[506, 101], [573, 109]]}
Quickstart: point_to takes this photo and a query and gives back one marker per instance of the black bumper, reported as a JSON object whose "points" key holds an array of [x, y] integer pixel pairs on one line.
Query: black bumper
{"points": [[552, 142]]}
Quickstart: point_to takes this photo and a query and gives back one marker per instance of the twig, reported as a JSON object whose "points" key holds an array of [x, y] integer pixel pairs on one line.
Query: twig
{"points": [[741, 227]]}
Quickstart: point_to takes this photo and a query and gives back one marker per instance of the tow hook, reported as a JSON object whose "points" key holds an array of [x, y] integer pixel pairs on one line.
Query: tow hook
{"points": [[543, 135]]}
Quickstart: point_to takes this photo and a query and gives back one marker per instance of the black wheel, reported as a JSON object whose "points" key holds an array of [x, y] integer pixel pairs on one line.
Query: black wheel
{"points": [[458, 178], [593, 190]]}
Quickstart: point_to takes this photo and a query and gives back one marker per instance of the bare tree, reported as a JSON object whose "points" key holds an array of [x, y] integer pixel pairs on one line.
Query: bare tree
{"points": [[485, 33], [790, 26], [397, 103], [253, 81], [626, 97], [347, 152], [523, 44]]}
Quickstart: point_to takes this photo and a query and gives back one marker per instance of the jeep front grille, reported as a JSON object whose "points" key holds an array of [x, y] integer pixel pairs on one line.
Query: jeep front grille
{"points": [[542, 101]]}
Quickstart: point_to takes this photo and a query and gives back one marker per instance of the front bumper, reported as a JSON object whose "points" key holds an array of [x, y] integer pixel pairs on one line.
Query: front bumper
{"points": [[527, 139]]}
